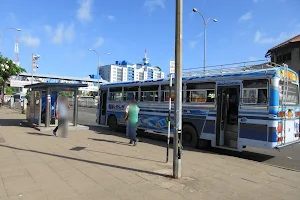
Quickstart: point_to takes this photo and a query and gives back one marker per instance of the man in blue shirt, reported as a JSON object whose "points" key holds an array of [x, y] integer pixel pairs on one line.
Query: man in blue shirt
{"points": [[61, 112]]}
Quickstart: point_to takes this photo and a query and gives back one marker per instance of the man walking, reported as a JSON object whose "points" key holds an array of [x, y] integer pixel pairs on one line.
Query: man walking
{"points": [[132, 115], [61, 113]]}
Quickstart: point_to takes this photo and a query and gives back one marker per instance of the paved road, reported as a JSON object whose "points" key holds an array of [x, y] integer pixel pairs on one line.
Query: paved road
{"points": [[288, 157]]}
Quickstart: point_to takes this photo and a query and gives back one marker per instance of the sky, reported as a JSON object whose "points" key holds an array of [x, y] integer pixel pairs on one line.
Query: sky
{"points": [[62, 31]]}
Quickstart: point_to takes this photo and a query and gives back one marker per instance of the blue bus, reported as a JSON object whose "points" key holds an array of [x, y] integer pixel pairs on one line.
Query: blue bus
{"points": [[254, 106]]}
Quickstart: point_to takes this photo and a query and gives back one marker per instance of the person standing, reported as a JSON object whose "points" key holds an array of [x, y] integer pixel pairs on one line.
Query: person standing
{"points": [[132, 116], [61, 113]]}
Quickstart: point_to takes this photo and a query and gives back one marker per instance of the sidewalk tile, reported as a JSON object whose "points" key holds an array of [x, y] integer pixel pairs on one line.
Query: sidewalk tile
{"points": [[20, 184], [101, 177], [60, 165], [37, 195], [2, 189]]}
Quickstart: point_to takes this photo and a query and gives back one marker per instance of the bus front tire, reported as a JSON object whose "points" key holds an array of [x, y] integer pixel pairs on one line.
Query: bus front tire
{"points": [[112, 123], [189, 136]]}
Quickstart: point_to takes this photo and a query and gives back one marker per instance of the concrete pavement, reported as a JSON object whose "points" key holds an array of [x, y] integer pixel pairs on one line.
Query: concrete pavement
{"points": [[98, 164], [287, 157]]}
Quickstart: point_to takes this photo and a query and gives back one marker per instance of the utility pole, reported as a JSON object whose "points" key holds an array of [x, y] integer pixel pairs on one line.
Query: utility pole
{"points": [[178, 93]]}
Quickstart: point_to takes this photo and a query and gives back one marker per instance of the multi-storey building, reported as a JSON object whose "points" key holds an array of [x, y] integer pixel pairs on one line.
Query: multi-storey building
{"points": [[125, 71]]}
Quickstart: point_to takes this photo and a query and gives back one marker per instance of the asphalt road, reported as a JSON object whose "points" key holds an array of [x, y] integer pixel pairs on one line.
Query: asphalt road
{"points": [[288, 157]]}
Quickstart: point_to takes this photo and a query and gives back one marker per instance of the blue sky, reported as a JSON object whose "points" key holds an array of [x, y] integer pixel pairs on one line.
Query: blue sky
{"points": [[61, 31]]}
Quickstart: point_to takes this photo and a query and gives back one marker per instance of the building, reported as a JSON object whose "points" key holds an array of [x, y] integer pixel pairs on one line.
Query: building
{"points": [[124, 71], [287, 52]]}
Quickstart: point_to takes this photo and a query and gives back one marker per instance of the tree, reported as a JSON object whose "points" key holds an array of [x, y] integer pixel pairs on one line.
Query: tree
{"points": [[7, 69]]}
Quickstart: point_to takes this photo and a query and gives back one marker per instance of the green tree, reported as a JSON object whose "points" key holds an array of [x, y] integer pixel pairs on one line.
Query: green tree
{"points": [[7, 69]]}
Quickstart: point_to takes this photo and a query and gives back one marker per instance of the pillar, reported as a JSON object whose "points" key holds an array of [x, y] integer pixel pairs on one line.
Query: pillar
{"points": [[75, 111], [40, 118], [48, 104]]}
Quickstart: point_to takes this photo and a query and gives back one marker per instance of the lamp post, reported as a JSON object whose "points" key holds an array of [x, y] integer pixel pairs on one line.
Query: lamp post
{"points": [[98, 69], [17, 29], [205, 24], [34, 65]]}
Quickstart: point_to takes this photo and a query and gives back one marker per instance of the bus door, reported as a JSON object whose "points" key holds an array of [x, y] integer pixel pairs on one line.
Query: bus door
{"points": [[227, 116], [103, 105]]}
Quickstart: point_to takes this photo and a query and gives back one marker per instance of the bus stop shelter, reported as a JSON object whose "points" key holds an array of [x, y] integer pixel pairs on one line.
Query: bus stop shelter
{"points": [[47, 93]]}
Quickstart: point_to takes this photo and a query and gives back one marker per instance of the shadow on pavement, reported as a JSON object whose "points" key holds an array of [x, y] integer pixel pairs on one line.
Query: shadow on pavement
{"points": [[113, 154], [89, 161], [38, 134], [110, 141], [160, 140], [10, 122]]}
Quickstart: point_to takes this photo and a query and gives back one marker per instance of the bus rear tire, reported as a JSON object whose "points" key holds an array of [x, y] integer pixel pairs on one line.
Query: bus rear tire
{"points": [[189, 136], [112, 123]]}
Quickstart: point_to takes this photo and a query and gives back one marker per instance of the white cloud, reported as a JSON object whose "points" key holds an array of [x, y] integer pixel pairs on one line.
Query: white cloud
{"points": [[153, 4], [245, 17], [251, 58], [30, 41], [99, 42], [84, 11], [61, 33], [193, 43], [263, 39], [69, 33], [200, 34], [111, 17]]}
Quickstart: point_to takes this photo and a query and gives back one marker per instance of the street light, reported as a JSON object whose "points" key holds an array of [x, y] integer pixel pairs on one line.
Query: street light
{"points": [[34, 64], [98, 69], [17, 29], [205, 24]]}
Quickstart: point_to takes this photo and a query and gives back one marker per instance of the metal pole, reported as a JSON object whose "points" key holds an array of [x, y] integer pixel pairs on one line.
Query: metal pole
{"points": [[204, 64], [98, 69], [75, 108], [169, 118], [178, 92], [48, 104], [31, 68]]}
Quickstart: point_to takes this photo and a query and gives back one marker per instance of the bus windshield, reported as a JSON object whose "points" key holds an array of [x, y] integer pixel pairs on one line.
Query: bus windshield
{"points": [[292, 94]]}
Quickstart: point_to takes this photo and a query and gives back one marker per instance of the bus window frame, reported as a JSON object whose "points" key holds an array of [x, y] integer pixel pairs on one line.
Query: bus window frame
{"points": [[256, 92]]}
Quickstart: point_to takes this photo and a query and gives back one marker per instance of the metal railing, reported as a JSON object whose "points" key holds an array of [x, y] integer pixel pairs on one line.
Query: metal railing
{"points": [[229, 68]]}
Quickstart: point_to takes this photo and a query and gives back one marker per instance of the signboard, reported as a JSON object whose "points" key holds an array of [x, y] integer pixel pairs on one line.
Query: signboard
{"points": [[18, 83], [89, 88], [291, 75], [172, 67]]}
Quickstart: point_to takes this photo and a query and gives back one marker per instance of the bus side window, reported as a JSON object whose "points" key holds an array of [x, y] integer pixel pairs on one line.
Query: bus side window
{"points": [[115, 94], [200, 92], [131, 93], [255, 91], [149, 93]]}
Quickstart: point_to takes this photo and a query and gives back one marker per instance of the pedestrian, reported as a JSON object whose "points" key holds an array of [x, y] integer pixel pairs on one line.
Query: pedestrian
{"points": [[61, 113], [132, 116]]}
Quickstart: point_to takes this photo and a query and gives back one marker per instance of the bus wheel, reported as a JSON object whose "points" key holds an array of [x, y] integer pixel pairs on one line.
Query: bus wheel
{"points": [[112, 123], [189, 136]]}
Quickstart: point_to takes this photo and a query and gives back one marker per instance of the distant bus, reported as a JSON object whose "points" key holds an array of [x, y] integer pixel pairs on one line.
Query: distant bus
{"points": [[229, 109], [19, 97]]}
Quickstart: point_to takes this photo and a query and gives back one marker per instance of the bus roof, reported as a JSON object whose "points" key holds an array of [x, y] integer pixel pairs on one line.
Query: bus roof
{"points": [[246, 73]]}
